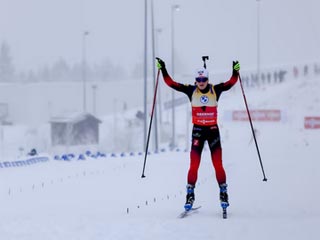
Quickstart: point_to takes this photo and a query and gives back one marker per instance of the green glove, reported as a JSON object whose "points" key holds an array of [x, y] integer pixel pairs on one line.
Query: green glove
{"points": [[236, 66], [160, 64]]}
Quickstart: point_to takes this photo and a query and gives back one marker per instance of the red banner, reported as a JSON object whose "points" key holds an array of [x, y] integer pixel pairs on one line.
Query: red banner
{"points": [[312, 122], [257, 115]]}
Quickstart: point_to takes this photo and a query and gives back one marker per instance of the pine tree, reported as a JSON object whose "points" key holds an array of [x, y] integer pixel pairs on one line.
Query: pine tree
{"points": [[6, 65]]}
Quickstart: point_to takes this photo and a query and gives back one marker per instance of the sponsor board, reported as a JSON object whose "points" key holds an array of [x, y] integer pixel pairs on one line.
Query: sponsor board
{"points": [[257, 115], [24, 162], [312, 122]]}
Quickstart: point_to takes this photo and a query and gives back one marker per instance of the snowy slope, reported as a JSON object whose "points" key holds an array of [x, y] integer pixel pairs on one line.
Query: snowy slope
{"points": [[106, 198]]}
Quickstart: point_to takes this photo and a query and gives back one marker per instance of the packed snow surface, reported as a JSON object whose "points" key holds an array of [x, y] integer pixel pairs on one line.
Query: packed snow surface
{"points": [[106, 198]]}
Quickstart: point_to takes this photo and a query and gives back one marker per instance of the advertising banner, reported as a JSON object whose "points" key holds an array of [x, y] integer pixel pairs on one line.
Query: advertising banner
{"points": [[312, 122], [257, 115]]}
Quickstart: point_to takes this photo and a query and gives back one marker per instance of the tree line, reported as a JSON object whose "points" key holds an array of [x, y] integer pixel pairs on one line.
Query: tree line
{"points": [[61, 70]]}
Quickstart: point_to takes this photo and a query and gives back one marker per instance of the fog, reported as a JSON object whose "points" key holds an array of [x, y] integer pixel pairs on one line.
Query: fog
{"points": [[62, 58], [44, 45], [40, 32]]}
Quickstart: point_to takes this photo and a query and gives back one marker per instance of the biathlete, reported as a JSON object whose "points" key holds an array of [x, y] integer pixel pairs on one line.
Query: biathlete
{"points": [[204, 98]]}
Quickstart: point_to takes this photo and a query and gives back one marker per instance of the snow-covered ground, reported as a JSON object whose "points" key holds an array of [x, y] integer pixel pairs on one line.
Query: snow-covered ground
{"points": [[106, 198]]}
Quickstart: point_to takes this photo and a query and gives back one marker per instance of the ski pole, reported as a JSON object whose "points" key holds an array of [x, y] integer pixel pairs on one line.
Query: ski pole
{"points": [[252, 129], [150, 124]]}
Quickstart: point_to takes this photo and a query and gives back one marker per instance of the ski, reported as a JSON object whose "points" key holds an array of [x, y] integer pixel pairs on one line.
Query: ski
{"points": [[224, 213], [186, 213]]}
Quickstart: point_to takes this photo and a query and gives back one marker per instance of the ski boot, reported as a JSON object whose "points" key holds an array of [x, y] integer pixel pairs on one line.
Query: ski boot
{"points": [[189, 197], [224, 196]]}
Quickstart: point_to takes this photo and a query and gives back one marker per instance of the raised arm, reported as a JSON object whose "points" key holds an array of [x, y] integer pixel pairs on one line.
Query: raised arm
{"points": [[234, 78], [169, 81], [219, 88]]}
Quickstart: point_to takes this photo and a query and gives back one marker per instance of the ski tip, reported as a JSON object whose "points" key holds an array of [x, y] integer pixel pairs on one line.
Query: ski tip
{"points": [[186, 213]]}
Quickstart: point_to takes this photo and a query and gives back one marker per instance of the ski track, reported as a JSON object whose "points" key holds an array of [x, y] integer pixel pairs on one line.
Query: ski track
{"points": [[107, 198]]}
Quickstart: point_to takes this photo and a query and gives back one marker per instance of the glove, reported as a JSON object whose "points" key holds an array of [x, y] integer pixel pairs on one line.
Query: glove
{"points": [[160, 64], [235, 66]]}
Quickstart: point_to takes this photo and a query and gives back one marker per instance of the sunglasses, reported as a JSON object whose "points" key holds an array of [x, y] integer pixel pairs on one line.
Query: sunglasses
{"points": [[201, 79]]}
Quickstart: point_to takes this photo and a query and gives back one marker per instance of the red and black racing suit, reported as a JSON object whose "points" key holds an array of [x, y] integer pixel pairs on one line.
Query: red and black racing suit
{"points": [[204, 118]]}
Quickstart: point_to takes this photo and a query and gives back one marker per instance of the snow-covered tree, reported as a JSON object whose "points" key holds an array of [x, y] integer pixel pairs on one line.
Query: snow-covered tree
{"points": [[6, 65]]}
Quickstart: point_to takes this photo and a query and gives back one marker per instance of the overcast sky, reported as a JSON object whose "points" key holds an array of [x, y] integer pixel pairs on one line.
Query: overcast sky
{"points": [[41, 31]]}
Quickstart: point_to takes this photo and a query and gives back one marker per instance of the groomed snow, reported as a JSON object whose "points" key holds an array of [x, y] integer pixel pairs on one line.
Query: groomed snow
{"points": [[106, 198]]}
